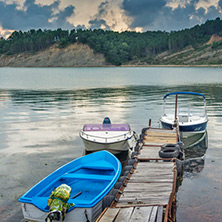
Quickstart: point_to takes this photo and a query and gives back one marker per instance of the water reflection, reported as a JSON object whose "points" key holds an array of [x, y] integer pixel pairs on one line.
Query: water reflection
{"points": [[195, 148], [40, 132], [195, 156]]}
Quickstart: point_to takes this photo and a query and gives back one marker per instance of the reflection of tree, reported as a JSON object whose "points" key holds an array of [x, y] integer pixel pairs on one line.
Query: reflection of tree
{"points": [[135, 93], [97, 95]]}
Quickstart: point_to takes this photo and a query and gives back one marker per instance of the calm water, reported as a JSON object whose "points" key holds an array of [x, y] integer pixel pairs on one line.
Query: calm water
{"points": [[43, 109]]}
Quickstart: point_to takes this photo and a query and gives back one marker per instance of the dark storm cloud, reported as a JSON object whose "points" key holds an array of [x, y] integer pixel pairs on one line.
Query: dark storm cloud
{"points": [[98, 20], [34, 16], [143, 11], [62, 16], [155, 14], [220, 3]]}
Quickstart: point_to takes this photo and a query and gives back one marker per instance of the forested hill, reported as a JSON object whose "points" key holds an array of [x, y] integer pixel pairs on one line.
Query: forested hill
{"points": [[201, 44]]}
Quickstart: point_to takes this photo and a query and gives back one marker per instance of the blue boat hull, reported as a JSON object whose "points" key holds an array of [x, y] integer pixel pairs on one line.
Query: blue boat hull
{"points": [[93, 175]]}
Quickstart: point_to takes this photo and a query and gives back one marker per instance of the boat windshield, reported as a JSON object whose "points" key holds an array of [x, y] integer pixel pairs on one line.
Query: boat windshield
{"points": [[106, 127]]}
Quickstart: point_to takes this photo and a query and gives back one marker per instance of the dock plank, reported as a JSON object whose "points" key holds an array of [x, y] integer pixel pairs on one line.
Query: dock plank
{"points": [[159, 141], [154, 172], [109, 215], [148, 187], [138, 196], [155, 164], [144, 202], [124, 214], [149, 152], [160, 134], [153, 214], [141, 214], [159, 214], [160, 130]]}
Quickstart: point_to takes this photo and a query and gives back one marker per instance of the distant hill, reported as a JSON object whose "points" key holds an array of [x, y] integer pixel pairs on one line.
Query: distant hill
{"points": [[200, 45], [74, 55]]}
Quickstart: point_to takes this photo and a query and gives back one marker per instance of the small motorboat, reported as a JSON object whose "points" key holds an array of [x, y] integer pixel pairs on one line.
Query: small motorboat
{"points": [[112, 137], [90, 178], [191, 119]]}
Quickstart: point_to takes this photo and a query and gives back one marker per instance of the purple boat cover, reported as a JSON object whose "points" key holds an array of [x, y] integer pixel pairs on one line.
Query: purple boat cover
{"points": [[106, 127]]}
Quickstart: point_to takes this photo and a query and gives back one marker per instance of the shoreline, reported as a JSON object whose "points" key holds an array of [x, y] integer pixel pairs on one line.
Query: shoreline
{"points": [[121, 66]]}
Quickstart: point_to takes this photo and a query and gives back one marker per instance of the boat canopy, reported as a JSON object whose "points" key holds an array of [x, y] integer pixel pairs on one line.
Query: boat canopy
{"points": [[106, 127], [188, 93]]}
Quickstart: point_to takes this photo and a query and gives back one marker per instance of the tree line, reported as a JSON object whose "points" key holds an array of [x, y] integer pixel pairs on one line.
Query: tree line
{"points": [[118, 48]]}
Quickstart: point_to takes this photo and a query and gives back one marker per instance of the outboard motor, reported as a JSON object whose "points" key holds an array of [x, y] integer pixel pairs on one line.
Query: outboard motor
{"points": [[106, 120], [54, 215]]}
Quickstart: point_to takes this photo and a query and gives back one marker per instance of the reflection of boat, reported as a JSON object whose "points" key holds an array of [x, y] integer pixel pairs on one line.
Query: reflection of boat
{"points": [[191, 120], [91, 177], [195, 155], [199, 139], [112, 137]]}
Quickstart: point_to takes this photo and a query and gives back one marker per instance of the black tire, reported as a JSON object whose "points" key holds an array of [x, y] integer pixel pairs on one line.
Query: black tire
{"points": [[179, 165], [140, 140], [181, 146], [137, 148], [122, 179], [128, 167], [114, 192], [134, 154], [170, 145], [144, 130], [118, 185], [169, 153], [126, 173], [107, 201], [132, 162], [141, 136]]}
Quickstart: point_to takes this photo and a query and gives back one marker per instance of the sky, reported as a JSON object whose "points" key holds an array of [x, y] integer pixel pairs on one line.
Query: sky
{"points": [[116, 15]]}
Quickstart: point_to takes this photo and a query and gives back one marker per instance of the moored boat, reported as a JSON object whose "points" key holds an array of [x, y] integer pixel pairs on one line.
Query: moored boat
{"points": [[191, 120], [90, 178], [112, 137]]}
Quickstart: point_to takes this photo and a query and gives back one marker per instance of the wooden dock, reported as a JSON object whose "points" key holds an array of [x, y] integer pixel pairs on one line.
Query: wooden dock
{"points": [[148, 192]]}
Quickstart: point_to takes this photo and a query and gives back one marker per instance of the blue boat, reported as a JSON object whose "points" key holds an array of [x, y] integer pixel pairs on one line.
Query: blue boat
{"points": [[90, 177], [189, 113]]}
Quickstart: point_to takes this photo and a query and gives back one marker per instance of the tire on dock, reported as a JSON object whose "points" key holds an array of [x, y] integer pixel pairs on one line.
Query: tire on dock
{"points": [[107, 201], [169, 151]]}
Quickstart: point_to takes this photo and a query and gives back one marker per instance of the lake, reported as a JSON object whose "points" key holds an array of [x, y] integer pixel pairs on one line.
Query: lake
{"points": [[43, 110]]}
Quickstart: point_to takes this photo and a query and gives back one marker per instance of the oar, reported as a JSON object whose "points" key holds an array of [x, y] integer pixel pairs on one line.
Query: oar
{"points": [[76, 195]]}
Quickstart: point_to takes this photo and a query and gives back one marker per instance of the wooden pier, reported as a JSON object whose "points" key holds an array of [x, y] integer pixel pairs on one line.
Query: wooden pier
{"points": [[148, 192]]}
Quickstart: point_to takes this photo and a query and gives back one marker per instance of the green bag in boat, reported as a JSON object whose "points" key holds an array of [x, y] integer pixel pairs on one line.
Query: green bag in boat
{"points": [[57, 201]]}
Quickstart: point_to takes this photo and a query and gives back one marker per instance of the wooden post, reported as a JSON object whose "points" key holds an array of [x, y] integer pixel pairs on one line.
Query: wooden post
{"points": [[175, 117], [149, 123], [176, 108]]}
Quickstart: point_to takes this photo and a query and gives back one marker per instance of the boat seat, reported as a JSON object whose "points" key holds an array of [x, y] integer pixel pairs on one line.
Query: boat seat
{"points": [[86, 176], [101, 165]]}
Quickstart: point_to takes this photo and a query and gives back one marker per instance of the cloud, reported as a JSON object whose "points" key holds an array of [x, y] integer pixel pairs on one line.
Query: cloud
{"points": [[98, 23], [110, 15], [169, 15], [144, 11], [97, 20], [34, 16], [117, 15], [62, 17]]}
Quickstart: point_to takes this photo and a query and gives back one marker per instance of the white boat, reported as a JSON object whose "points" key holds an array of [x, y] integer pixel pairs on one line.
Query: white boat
{"points": [[111, 137], [191, 120]]}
